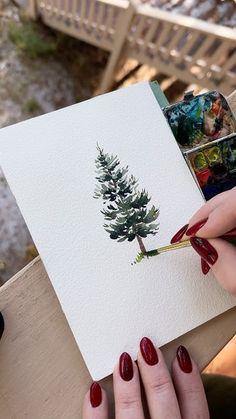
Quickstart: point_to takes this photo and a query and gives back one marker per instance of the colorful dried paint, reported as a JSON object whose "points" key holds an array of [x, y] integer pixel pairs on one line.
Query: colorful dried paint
{"points": [[220, 173], [205, 130], [200, 119]]}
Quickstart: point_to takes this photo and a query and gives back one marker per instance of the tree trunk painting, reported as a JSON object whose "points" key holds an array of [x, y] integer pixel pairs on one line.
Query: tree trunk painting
{"points": [[141, 245]]}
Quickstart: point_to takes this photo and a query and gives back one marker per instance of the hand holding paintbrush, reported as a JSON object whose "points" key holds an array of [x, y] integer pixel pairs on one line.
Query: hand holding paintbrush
{"points": [[212, 234]]}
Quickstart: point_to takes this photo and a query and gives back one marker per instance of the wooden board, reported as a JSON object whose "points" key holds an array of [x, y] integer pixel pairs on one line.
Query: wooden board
{"points": [[42, 373]]}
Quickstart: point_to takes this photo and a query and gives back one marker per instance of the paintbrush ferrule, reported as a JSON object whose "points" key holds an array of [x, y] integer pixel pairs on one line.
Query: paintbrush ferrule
{"points": [[179, 245]]}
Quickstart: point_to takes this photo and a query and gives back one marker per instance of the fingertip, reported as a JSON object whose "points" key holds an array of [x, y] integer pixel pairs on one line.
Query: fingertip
{"points": [[154, 356], [221, 220], [148, 351], [176, 367], [95, 403], [95, 394], [189, 390], [205, 267], [205, 213], [125, 370], [196, 227], [126, 385], [178, 236], [225, 265], [184, 359]]}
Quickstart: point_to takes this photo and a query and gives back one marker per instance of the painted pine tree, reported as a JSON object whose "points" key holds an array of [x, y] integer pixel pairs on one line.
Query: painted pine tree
{"points": [[125, 209]]}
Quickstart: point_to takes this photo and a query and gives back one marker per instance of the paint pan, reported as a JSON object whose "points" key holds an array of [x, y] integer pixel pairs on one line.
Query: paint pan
{"points": [[198, 120], [214, 166]]}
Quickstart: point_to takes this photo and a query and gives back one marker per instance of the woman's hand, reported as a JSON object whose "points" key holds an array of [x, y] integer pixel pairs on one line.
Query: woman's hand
{"points": [[180, 396], [214, 219]]}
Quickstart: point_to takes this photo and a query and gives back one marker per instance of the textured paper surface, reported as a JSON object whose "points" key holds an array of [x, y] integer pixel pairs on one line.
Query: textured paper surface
{"points": [[110, 304]]}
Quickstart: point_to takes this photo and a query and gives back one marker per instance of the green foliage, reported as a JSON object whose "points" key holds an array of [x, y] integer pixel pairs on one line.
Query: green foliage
{"points": [[140, 256], [32, 106], [29, 39], [125, 208]]}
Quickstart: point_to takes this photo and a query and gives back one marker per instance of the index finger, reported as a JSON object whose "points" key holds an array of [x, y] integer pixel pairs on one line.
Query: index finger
{"points": [[159, 389], [95, 404], [207, 208], [189, 387], [127, 393], [225, 267], [217, 216]]}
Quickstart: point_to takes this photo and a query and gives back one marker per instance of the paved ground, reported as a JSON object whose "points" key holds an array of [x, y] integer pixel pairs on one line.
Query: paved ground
{"points": [[30, 86]]}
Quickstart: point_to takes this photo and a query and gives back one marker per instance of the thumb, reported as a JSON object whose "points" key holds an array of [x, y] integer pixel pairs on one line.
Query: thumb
{"points": [[225, 266]]}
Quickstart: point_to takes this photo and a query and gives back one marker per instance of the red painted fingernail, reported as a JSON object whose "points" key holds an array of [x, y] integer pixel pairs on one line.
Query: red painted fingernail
{"points": [[204, 249], [205, 266], [184, 359], [148, 351], [230, 233], [178, 236], [194, 229], [1, 325], [126, 367], [95, 395]]}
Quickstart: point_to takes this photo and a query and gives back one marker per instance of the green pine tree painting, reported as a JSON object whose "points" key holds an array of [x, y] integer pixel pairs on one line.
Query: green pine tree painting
{"points": [[125, 209]]}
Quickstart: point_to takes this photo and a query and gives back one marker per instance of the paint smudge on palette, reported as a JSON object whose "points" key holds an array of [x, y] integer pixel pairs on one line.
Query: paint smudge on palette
{"points": [[198, 120]]}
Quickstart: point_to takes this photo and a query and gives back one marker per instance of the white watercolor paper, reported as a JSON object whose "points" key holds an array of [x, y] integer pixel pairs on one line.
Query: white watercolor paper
{"points": [[49, 162]]}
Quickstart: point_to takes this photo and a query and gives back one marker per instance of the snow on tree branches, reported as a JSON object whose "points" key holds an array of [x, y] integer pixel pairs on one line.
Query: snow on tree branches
{"points": [[124, 207]]}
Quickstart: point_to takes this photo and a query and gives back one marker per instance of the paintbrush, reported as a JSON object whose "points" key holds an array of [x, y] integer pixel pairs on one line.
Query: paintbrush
{"points": [[230, 236]]}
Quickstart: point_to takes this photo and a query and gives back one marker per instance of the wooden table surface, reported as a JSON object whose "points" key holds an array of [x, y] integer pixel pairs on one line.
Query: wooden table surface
{"points": [[42, 373]]}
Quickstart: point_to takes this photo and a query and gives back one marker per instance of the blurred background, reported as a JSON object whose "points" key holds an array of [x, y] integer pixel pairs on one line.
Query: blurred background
{"points": [[57, 53]]}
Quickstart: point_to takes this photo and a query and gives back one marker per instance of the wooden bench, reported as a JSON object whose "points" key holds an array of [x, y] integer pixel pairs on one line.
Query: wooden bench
{"points": [[190, 49]]}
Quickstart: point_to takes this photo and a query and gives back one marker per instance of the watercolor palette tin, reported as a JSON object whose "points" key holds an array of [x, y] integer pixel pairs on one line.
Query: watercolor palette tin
{"points": [[205, 130]]}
